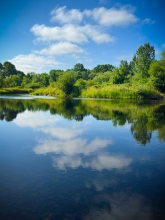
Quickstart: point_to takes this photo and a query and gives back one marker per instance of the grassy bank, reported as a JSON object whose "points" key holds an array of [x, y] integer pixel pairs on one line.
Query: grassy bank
{"points": [[123, 92], [49, 91], [7, 91], [107, 92]]}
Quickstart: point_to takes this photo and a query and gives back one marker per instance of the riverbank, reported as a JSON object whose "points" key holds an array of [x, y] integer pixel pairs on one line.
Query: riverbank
{"points": [[109, 92], [141, 92], [7, 91]]}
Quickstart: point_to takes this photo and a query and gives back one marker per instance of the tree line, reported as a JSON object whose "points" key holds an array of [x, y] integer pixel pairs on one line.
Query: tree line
{"points": [[142, 69]]}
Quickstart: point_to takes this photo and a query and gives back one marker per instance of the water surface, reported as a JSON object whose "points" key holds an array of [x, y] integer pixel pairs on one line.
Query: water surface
{"points": [[82, 159]]}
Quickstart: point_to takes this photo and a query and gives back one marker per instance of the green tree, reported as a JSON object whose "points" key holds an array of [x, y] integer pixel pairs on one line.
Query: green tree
{"points": [[79, 67], [66, 83], [54, 74], [12, 81], [44, 79], [157, 73], [1, 81], [9, 69], [118, 75], [103, 68], [142, 60], [2, 70]]}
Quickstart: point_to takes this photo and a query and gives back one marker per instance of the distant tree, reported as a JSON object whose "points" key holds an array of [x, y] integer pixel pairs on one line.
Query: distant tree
{"points": [[157, 73], [44, 79], [9, 69], [1, 81], [103, 68], [143, 59], [25, 80], [54, 74], [2, 70], [79, 67], [12, 81], [20, 73], [118, 75], [66, 83]]}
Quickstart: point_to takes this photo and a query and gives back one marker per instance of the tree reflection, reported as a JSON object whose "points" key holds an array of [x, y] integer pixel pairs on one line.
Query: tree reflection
{"points": [[144, 117], [139, 130]]}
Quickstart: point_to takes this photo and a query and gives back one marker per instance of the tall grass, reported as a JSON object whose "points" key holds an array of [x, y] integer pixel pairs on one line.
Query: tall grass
{"points": [[122, 92], [15, 90], [49, 91]]}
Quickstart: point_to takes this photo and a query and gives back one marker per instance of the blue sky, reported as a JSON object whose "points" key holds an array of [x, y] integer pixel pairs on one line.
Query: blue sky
{"points": [[51, 34]]}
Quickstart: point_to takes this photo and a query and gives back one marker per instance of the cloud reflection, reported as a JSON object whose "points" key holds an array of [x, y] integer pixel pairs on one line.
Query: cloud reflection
{"points": [[70, 150], [70, 147], [120, 206], [98, 162]]}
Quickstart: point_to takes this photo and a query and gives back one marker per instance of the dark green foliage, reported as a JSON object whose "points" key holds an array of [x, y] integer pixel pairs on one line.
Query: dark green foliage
{"points": [[66, 83], [79, 67], [9, 69], [157, 74], [1, 81], [54, 74], [103, 68]]}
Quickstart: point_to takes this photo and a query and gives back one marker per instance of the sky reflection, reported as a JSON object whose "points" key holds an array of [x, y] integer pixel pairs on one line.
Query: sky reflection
{"points": [[66, 144]]}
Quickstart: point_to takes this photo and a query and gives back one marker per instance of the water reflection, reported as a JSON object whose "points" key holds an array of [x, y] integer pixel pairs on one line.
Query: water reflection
{"points": [[83, 160], [120, 206], [144, 117]]}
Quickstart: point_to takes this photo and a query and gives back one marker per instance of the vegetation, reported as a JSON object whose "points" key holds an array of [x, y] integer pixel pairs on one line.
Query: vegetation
{"points": [[141, 78]]}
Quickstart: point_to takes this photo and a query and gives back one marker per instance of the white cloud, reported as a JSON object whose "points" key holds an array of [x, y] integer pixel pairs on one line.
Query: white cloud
{"points": [[104, 16], [70, 33], [95, 34], [112, 16], [66, 16], [60, 48], [33, 63], [148, 21]]}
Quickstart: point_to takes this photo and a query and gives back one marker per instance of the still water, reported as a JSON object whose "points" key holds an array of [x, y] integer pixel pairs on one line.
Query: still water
{"points": [[81, 159]]}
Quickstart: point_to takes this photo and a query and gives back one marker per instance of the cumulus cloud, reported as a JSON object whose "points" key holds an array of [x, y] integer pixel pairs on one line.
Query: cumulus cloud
{"points": [[112, 16], [66, 16], [60, 48], [103, 16], [70, 33], [33, 63]]}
